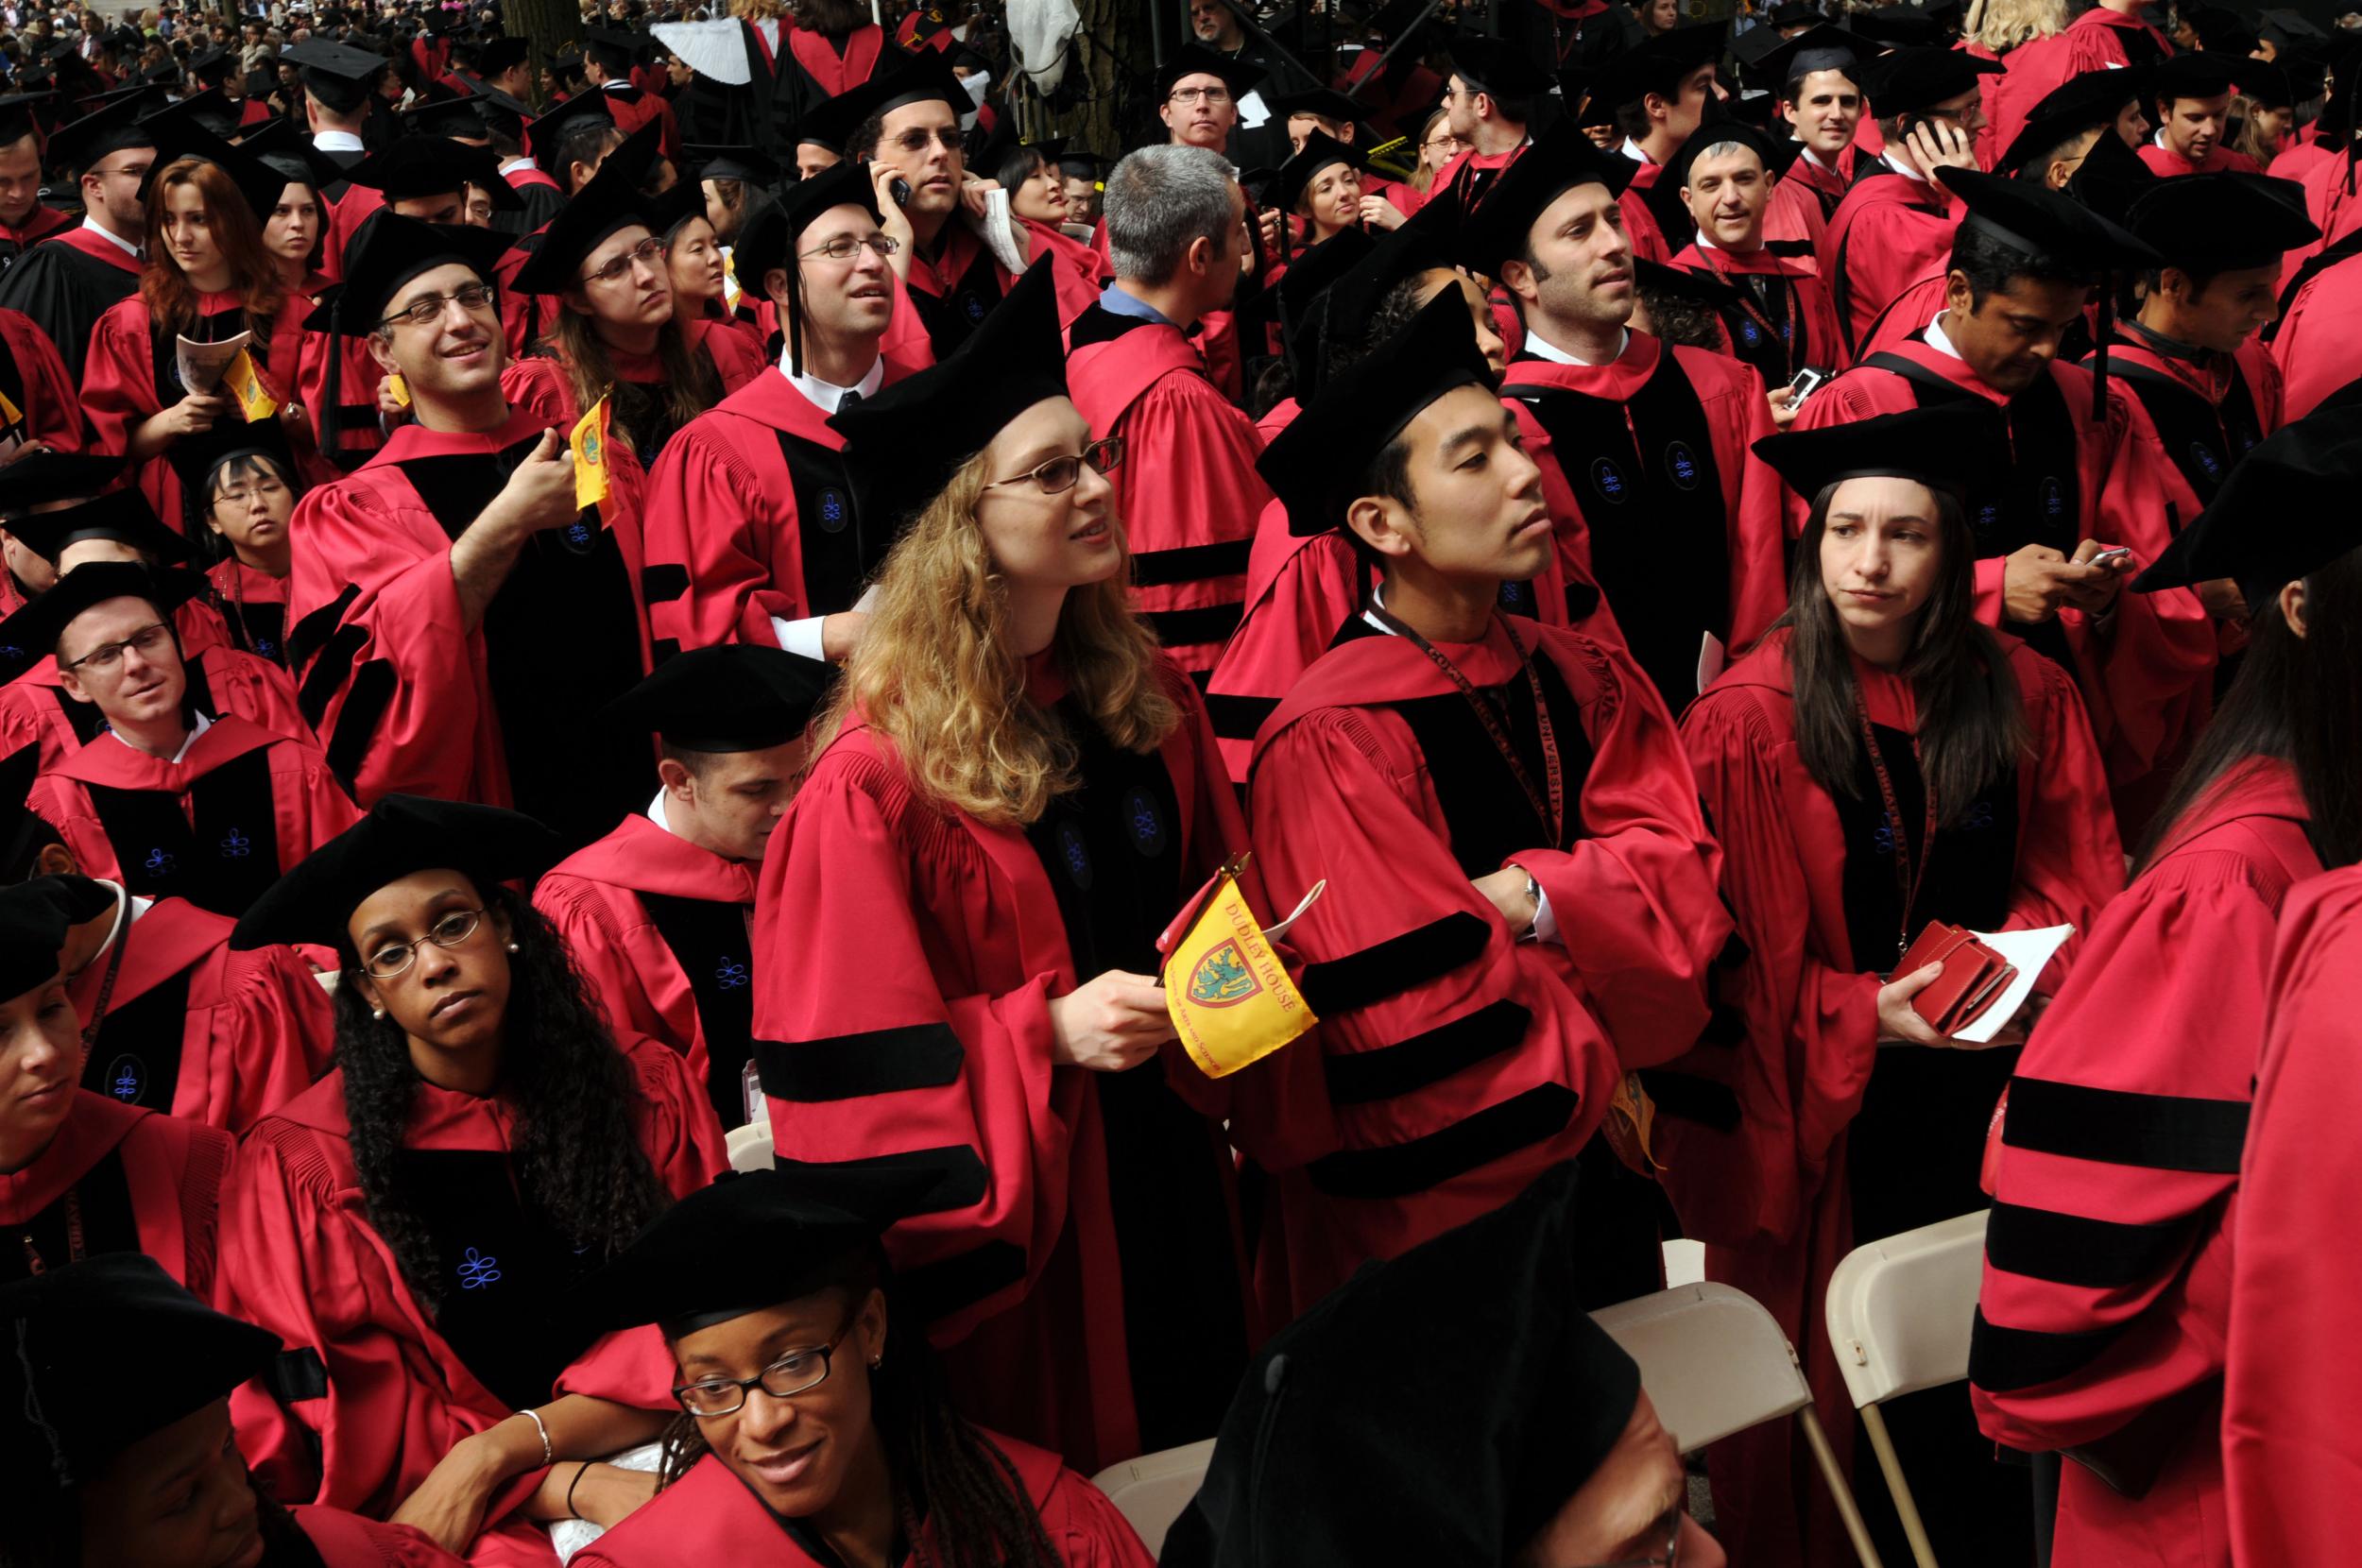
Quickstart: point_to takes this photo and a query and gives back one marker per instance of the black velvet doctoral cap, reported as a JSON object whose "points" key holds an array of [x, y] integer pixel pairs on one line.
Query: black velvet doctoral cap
{"points": [[179, 134], [1561, 159], [123, 516], [196, 457], [2082, 102], [36, 914], [2223, 221], [2193, 73], [1914, 81], [2111, 179], [1298, 299], [284, 145], [1496, 68], [37, 626], [500, 54], [1296, 175], [79, 144], [543, 134], [1658, 65], [1195, 60], [41, 477], [1439, 1407], [1313, 464], [731, 163], [2286, 510], [402, 834], [738, 697], [337, 75], [1326, 102], [607, 201], [1947, 446], [1820, 47], [64, 1322], [413, 166], [2037, 222], [1897, 27], [390, 251], [754, 1240], [1012, 360], [449, 114]]}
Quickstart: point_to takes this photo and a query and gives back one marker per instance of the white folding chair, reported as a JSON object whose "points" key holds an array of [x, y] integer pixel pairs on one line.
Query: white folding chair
{"points": [[1151, 1492], [1715, 1362], [1900, 1312], [750, 1145]]}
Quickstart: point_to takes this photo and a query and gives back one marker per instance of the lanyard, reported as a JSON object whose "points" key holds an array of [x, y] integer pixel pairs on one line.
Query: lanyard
{"points": [[1907, 878], [1784, 330], [1551, 813], [74, 1243], [107, 980]]}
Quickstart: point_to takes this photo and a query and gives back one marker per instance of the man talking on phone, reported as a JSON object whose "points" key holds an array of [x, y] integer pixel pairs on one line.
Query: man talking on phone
{"points": [[1889, 231]]}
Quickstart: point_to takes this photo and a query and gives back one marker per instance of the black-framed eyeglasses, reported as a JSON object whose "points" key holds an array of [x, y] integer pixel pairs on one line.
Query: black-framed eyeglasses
{"points": [[1672, 1527], [795, 1373], [428, 310], [916, 142], [449, 930], [1212, 97], [1060, 473], [650, 250], [150, 640], [843, 247]]}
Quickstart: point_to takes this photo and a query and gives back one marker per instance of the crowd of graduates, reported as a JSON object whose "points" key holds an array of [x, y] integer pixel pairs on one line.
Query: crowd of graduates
{"points": [[576, 616]]}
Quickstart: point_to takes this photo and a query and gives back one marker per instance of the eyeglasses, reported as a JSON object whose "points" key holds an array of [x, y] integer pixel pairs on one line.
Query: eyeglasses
{"points": [[1447, 140], [427, 310], [843, 247], [449, 930], [648, 250], [263, 487], [1212, 97], [1671, 1524], [916, 142], [150, 640], [1060, 473], [798, 1372]]}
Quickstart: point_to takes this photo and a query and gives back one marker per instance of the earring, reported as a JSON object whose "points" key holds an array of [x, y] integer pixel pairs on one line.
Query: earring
{"points": [[378, 1012], [876, 1361], [512, 946]]}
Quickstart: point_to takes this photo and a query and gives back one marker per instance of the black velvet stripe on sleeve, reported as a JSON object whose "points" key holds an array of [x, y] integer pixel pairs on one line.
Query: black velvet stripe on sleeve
{"points": [[1191, 563], [1182, 628], [847, 1066], [1236, 718], [1691, 1099], [663, 583], [2117, 1127], [313, 632], [2068, 1249], [1401, 1169], [329, 672], [356, 725], [296, 1375], [2003, 1360], [1396, 965], [959, 1169], [1356, 1078]]}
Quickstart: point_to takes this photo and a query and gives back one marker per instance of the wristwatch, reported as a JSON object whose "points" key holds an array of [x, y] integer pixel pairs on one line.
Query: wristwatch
{"points": [[1533, 891]]}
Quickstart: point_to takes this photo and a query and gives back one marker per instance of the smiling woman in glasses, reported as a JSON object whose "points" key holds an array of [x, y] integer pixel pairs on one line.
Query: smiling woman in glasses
{"points": [[415, 1225], [1014, 790]]}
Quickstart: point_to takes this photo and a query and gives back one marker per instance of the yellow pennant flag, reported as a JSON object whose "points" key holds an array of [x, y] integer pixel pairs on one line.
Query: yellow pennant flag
{"points": [[1228, 995], [590, 443], [243, 382], [398, 389], [11, 415], [730, 291]]}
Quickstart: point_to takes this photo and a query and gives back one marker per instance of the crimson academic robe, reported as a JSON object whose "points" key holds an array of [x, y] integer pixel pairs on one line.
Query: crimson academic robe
{"points": [[1681, 522], [543, 199], [2300, 155], [65, 284], [661, 932], [1794, 1135], [2073, 477], [2029, 72], [2313, 343], [1886, 233], [410, 700], [33, 384], [2107, 1284], [633, 109], [2291, 1385], [374, 1389], [811, 68], [1829, 184], [132, 375], [2101, 38], [253, 605], [345, 1539], [751, 516], [217, 826], [539, 382], [1641, 229], [1186, 489], [951, 291], [39, 223], [1906, 315], [35, 709], [2196, 419], [1455, 1064], [1471, 173], [710, 1516], [138, 1183], [1079, 1262], [1790, 324], [196, 1029], [2164, 162]]}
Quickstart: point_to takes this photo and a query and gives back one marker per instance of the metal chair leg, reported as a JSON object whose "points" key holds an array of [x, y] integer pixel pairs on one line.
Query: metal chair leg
{"points": [[1847, 1509], [1923, 1551]]}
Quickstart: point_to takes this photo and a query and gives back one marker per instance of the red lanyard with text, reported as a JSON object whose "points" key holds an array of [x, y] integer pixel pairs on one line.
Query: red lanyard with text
{"points": [[1907, 879], [1552, 813]]}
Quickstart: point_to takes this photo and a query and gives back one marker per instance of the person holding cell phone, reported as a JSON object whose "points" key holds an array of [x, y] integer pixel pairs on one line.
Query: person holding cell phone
{"points": [[1882, 761]]}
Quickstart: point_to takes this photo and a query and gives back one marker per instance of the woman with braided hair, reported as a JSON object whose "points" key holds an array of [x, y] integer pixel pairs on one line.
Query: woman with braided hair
{"points": [[808, 1435]]}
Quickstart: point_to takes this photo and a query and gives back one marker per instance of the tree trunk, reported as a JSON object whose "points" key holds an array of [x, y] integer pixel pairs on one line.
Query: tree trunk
{"points": [[546, 24], [1115, 54]]}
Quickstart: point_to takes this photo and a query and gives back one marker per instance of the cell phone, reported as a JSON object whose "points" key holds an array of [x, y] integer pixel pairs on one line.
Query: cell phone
{"points": [[1808, 381], [2110, 553], [900, 190]]}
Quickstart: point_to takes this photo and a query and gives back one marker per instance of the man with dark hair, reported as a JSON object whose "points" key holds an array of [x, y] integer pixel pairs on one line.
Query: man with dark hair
{"points": [[23, 221], [68, 282], [829, 48], [608, 55], [1534, 880], [1820, 99], [2055, 139], [2191, 94], [338, 80], [1488, 100], [1186, 489], [1775, 314], [2023, 263], [1659, 91], [2205, 389]]}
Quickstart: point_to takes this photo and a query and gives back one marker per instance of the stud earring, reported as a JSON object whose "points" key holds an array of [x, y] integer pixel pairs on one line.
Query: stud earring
{"points": [[378, 1012], [512, 946], [876, 1361]]}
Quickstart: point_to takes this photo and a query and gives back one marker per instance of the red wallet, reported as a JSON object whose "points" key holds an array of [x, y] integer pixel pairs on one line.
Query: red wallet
{"points": [[1973, 975]]}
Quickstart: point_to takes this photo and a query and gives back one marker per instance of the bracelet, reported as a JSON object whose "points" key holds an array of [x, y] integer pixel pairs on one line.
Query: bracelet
{"points": [[570, 1489], [535, 1417]]}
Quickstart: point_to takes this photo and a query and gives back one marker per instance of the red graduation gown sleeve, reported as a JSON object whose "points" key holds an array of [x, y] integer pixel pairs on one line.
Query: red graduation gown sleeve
{"points": [[539, 383], [2107, 1283], [1906, 316], [2315, 340], [736, 359], [173, 1170], [2291, 1457], [45, 399], [1886, 233], [2029, 73], [2096, 40], [345, 1540]]}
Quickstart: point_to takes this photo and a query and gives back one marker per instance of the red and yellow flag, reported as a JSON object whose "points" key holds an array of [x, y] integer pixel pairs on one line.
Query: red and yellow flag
{"points": [[241, 381], [1229, 997], [588, 441]]}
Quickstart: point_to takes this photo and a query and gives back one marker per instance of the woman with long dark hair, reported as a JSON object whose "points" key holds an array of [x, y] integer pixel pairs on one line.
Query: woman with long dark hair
{"points": [[239, 483], [1879, 762], [616, 334], [1013, 792], [808, 1432], [696, 263], [207, 278], [2112, 1353], [415, 1225]]}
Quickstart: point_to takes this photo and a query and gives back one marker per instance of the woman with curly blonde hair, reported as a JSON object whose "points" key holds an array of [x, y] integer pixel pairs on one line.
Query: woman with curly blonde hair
{"points": [[2029, 34], [1012, 794]]}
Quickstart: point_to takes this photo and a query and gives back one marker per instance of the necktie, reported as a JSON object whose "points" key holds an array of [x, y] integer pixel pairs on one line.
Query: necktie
{"points": [[846, 402]]}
